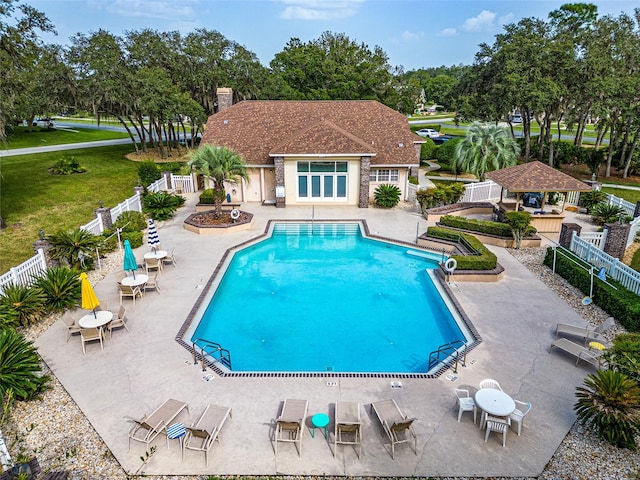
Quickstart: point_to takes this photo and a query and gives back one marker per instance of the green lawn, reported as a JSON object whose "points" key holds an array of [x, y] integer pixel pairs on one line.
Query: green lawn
{"points": [[629, 195], [21, 137], [32, 199]]}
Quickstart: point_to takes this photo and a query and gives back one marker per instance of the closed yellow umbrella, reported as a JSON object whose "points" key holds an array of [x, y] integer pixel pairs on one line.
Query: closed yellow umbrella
{"points": [[89, 299]]}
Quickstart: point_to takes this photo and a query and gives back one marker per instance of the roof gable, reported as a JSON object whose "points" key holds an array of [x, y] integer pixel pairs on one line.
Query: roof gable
{"points": [[323, 138]]}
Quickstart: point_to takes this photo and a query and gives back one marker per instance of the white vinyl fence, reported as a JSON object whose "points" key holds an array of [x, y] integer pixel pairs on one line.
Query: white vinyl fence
{"points": [[627, 276], [23, 274]]}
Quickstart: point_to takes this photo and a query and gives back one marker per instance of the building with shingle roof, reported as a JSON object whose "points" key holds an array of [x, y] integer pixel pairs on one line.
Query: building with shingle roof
{"points": [[329, 152]]}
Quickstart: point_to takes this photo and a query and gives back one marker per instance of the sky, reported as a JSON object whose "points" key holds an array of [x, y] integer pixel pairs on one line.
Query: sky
{"points": [[413, 33]]}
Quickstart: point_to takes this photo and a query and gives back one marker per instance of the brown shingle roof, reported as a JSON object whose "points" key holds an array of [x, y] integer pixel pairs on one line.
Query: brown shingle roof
{"points": [[258, 129], [536, 177]]}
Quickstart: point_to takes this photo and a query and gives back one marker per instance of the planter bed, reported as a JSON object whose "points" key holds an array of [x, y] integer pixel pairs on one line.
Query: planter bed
{"points": [[504, 242]]}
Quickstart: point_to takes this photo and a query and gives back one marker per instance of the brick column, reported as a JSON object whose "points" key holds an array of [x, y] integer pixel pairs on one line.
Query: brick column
{"points": [[105, 217], [566, 232], [636, 212], [45, 246], [616, 242], [365, 167], [279, 170], [167, 175]]}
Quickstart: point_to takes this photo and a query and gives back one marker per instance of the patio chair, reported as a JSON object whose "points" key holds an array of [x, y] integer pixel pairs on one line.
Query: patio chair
{"points": [[152, 264], [499, 425], [152, 283], [201, 435], [395, 424], [490, 383], [170, 258], [578, 351], [586, 333], [521, 411], [466, 403], [290, 423], [128, 291], [89, 335], [348, 427], [150, 426], [118, 322], [70, 323]]}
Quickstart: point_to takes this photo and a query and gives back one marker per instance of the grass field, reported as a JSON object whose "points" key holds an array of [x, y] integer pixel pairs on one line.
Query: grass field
{"points": [[22, 137], [32, 199]]}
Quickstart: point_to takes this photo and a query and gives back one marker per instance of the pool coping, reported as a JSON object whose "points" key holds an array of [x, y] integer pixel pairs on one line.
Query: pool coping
{"points": [[222, 371]]}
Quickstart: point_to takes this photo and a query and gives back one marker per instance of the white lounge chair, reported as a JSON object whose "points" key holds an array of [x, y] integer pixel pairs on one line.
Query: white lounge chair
{"points": [[290, 423], [348, 427], [586, 333]]}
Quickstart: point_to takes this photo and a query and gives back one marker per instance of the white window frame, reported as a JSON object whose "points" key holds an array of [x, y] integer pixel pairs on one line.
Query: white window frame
{"points": [[384, 175]]}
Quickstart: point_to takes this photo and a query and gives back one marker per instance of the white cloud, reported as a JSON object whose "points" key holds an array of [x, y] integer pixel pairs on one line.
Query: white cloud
{"points": [[412, 36], [449, 32], [483, 21], [319, 9], [508, 18], [159, 9]]}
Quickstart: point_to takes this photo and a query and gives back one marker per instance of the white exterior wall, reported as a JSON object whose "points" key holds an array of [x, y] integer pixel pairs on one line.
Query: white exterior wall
{"points": [[403, 176]]}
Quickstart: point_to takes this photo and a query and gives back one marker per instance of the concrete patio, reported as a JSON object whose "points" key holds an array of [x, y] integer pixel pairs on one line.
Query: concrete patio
{"points": [[137, 371]]}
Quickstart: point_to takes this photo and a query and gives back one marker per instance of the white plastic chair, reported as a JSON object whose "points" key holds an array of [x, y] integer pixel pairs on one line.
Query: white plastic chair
{"points": [[521, 411], [466, 403], [490, 383], [497, 425]]}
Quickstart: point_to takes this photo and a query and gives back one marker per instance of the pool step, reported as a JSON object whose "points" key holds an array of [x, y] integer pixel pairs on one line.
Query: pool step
{"points": [[325, 229]]}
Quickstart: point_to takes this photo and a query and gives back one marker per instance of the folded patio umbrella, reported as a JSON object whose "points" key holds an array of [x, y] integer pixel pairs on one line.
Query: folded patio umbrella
{"points": [[152, 235], [89, 299], [130, 262]]}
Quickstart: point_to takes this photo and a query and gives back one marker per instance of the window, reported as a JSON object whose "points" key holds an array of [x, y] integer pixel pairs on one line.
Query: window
{"points": [[322, 180], [384, 175]]}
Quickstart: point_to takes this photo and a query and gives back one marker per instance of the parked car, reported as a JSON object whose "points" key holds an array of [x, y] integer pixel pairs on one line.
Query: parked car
{"points": [[428, 132], [441, 139], [44, 122]]}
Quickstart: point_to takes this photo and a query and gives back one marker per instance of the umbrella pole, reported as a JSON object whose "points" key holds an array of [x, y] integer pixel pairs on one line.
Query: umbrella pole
{"points": [[94, 313]]}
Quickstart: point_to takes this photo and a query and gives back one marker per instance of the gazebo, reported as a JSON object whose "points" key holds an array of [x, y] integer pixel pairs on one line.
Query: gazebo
{"points": [[536, 177]]}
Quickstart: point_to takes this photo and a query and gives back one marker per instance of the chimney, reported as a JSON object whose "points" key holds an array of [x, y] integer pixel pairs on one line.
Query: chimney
{"points": [[225, 98]]}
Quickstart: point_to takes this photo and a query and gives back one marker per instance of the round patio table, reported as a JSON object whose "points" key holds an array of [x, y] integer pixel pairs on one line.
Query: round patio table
{"points": [[139, 279], [494, 402], [320, 420], [101, 318]]}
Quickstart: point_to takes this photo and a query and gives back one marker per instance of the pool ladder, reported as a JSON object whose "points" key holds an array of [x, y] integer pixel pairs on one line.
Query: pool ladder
{"points": [[212, 349], [449, 349]]}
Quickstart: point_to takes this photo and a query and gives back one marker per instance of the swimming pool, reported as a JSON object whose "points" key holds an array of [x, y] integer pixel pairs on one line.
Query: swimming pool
{"points": [[324, 298]]}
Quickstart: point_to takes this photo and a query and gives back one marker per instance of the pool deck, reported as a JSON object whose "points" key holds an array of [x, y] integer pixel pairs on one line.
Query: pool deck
{"points": [[137, 371]]}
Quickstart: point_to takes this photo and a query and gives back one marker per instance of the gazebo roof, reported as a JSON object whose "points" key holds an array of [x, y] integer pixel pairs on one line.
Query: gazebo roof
{"points": [[536, 177]]}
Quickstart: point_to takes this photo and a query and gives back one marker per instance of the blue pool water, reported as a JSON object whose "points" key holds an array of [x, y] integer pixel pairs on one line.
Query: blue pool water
{"points": [[328, 301]]}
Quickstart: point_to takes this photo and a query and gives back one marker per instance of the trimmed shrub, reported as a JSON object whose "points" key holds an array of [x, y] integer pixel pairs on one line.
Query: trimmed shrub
{"points": [[443, 194], [161, 205], [208, 196], [130, 221], [624, 355], [66, 166], [446, 151], [148, 172], [588, 200], [483, 259], [474, 225], [387, 195], [619, 302], [428, 150]]}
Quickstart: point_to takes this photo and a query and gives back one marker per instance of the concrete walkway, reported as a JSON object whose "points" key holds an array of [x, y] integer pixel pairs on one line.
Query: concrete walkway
{"points": [[137, 371]]}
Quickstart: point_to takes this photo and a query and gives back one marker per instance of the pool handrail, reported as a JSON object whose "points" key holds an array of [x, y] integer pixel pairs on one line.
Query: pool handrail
{"points": [[452, 351], [224, 356]]}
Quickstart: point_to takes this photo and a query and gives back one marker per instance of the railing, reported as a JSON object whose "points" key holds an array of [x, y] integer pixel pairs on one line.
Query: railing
{"points": [[634, 231], [597, 239], [626, 276], [448, 350], [183, 183], [212, 349], [481, 192], [24, 273], [628, 207]]}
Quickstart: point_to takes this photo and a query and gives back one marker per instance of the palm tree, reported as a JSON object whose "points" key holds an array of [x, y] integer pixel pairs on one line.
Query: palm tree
{"points": [[20, 370], [220, 165], [486, 147], [74, 248]]}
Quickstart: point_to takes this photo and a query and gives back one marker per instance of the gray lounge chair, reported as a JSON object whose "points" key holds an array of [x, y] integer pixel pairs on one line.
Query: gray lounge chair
{"points": [[348, 427], [201, 435], [150, 426], [578, 351], [290, 423], [586, 333], [395, 424]]}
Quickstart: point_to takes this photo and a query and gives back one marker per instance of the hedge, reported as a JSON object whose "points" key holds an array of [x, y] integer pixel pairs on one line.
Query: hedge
{"points": [[484, 258], [621, 303], [498, 229]]}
